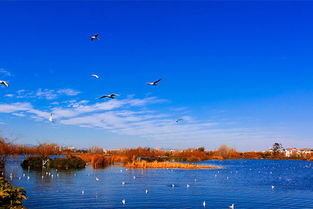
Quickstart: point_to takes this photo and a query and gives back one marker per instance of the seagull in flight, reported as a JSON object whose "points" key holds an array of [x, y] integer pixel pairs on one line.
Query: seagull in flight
{"points": [[155, 83], [95, 76], [51, 118], [4, 83], [94, 37], [178, 120], [111, 96]]}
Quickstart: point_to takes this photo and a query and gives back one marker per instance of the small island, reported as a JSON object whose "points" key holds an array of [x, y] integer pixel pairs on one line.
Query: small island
{"points": [[172, 165]]}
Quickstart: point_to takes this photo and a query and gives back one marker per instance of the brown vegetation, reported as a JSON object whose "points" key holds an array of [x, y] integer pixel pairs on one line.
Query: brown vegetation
{"points": [[144, 164], [97, 161], [99, 158], [44, 150]]}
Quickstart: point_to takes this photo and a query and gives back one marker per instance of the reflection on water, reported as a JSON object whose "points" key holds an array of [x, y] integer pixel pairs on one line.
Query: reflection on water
{"points": [[246, 183]]}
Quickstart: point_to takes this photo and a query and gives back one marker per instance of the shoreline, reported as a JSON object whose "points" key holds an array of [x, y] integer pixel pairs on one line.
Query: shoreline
{"points": [[168, 165]]}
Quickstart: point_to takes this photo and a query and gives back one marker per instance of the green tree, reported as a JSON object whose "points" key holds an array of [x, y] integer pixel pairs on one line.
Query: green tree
{"points": [[277, 148]]}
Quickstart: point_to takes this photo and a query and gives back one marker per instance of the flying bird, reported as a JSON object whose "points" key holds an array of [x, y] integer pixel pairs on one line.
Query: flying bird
{"points": [[94, 37], [51, 118], [155, 83], [178, 120], [95, 76], [4, 83], [111, 96]]}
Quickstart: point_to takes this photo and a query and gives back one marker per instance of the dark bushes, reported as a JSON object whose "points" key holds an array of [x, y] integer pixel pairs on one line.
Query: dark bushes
{"points": [[34, 162], [67, 163]]}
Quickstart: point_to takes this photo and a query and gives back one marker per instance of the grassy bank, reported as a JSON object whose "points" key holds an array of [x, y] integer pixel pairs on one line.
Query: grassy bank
{"points": [[144, 164], [11, 197]]}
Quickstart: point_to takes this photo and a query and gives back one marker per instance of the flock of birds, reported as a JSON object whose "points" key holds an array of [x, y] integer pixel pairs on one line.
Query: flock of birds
{"points": [[110, 96], [123, 201]]}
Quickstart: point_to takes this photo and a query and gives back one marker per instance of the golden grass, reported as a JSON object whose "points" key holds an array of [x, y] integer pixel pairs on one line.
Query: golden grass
{"points": [[143, 164], [96, 160]]}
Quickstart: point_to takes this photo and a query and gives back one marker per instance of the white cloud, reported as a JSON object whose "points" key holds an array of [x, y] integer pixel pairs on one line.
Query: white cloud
{"points": [[5, 72], [81, 107], [18, 114], [68, 92], [15, 107], [132, 117], [20, 109], [46, 93]]}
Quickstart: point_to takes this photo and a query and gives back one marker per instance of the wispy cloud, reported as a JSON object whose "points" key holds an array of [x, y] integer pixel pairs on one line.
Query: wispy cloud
{"points": [[21, 109], [68, 92], [133, 117], [4, 72], [47, 94], [15, 107]]}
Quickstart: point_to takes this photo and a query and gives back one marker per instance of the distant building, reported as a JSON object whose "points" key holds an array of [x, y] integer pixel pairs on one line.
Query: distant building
{"points": [[297, 152], [67, 148]]}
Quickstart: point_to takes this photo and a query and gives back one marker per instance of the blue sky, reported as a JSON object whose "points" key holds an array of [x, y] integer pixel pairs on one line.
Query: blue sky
{"points": [[239, 73]]}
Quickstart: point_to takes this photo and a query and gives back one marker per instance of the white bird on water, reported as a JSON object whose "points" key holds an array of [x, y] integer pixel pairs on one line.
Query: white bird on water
{"points": [[203, 203], [123, 182], [83, 192], [146, 191], [123, 201], [173, 185], [273, 187], [94, 37], [95, 76], [232, 206], [154, 83], [4, 83], [97, 179], [187, 185]]}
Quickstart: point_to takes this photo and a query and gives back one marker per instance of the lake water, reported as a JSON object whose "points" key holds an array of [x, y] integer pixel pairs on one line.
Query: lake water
{"points": [[246, 183]]}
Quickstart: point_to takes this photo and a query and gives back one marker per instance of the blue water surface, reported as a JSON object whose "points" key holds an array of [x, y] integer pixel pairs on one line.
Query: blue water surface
{"points": [[256, 184]]}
